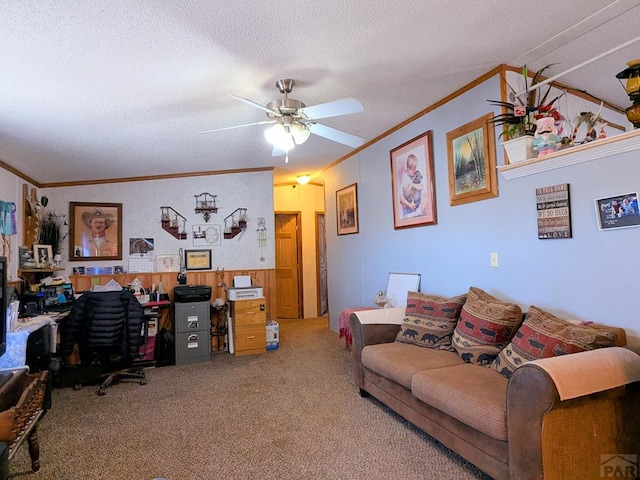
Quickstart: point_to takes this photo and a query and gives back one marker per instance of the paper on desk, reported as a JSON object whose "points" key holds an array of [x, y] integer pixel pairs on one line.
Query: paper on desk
{"points": [[110, 286], [12, 314], [54, 280], [240, 281]]}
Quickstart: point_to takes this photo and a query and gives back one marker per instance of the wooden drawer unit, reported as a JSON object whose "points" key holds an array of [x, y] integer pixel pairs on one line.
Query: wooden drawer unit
{"points": [[249, 319]]}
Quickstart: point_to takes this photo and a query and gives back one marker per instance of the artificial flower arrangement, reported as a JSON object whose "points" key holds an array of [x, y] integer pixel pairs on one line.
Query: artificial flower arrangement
{"points": [[520, 117]]}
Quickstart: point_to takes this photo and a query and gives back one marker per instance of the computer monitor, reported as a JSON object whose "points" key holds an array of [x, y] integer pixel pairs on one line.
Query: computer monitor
{"points": [[57, 295]]}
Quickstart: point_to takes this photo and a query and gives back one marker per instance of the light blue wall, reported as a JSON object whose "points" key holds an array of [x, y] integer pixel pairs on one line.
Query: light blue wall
{"points": [[593, 276]]}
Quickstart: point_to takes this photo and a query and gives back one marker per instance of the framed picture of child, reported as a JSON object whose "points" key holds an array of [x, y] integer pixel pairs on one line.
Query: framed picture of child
{"points": [[471, 152], [413, 183], [347, 209]]}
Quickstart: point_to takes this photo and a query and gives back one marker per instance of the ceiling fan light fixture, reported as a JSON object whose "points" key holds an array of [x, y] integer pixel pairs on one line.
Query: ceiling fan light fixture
{"points": [[300, 133], [278, 136]]}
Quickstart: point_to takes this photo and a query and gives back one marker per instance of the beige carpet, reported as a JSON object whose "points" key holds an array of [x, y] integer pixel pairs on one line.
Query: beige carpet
{"points": [[292, 413]]}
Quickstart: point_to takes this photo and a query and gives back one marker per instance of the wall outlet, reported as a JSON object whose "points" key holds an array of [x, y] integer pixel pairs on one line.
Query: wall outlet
{"points": [[494, 259]]}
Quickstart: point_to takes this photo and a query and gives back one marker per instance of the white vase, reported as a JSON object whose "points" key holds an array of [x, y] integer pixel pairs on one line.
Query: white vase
{"points": [[519, 149]]}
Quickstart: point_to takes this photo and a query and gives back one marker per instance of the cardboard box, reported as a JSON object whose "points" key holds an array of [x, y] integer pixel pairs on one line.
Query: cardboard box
{"points": [[273, 335]]}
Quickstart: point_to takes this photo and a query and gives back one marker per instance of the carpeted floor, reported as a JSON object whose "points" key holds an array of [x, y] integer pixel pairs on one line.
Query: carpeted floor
{"points": [[292, 413]]}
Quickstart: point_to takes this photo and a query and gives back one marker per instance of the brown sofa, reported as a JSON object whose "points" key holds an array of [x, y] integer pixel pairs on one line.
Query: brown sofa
{"points": [[566, 417]]}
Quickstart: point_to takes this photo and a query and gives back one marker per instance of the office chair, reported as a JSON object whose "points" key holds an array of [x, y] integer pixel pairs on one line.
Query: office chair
{"points": [[108, 329]]}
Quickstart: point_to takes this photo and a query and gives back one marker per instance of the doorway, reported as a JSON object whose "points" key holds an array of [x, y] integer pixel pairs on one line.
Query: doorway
{"points": [[321, 268], [288, 249]]}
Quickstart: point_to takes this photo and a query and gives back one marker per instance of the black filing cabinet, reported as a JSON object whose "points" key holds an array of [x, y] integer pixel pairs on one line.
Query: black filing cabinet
{"points": [[193, 338]]}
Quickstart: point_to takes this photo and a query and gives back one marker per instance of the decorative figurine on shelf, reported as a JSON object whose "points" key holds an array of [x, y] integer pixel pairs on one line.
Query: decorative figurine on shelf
{"points": [[381, 299], [546, 139], [603, 133]]}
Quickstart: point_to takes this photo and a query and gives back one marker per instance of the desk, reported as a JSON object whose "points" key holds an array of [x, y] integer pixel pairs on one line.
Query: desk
{"points": [[165, 317], [157, 315], [31, 346], [16, 354]]}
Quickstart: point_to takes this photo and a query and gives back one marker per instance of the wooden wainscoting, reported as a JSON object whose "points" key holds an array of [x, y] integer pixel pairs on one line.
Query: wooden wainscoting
{"points": [[264, 278]]}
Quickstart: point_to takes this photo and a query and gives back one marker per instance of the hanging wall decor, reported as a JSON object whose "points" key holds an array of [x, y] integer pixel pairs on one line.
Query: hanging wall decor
{"points": [[413, 183], [7, 226], [618, 211], [173, 223], [235, 223], [207, 235], [347, 210], [472, 162], [206, 205], [554, 212], [95, 231]]}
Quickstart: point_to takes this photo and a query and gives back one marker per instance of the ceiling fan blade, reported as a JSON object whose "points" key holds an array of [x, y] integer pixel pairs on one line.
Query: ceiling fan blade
{"points": [[332, 109], [335, 135], [254, 104], [238, 126]]}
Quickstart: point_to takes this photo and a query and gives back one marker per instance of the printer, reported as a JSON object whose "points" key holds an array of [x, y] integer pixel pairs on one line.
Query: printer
{"points": [[242, 293], [191, 293], [243, 289]]}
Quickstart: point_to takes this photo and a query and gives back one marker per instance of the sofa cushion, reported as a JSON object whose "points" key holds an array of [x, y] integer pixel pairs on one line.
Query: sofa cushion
{"points": [[543, 335], [486, 325], [400, 361], [430, 320], [472, 394]]}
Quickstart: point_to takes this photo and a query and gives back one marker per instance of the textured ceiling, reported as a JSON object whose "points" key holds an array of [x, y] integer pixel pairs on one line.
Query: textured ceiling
{"points": [[96, 90]]}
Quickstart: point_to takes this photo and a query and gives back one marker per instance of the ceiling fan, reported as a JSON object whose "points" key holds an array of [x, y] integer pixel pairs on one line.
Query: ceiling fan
{"points": [[293, 121]]}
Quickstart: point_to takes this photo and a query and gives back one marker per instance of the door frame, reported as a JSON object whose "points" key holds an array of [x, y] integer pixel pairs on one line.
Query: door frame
{"points": [[300, 268], [318, 283]]}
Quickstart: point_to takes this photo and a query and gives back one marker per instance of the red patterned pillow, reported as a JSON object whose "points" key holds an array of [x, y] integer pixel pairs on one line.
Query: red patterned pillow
{"points": [[486, 325], [543, 335], [430, 320]]}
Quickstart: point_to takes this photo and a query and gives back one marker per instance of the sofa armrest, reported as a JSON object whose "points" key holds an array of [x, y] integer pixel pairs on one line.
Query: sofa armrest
{"points": [[554, 435], [370, 327]]}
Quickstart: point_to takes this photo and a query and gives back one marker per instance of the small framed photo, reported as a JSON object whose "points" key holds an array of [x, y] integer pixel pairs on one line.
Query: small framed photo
{"points": [[347, 210], [95, 231], [42, 255], [413, 183], [618, 211], [99, 270], [197, 259], [168, 263], [471, 151], [77, 271]]}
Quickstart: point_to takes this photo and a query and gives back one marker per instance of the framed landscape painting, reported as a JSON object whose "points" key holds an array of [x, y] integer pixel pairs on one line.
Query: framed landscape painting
{"points": [[471, 151], [413, 183]]}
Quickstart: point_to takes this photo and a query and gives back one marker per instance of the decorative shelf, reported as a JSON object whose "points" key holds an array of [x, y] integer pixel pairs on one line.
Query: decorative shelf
{"points": [[235, 223], [206, 205], [170, 225], [40, 270], [606, 147]]}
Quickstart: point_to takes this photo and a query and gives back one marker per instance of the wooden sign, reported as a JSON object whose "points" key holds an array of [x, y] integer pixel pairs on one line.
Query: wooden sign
{"points": [[554, 212]]}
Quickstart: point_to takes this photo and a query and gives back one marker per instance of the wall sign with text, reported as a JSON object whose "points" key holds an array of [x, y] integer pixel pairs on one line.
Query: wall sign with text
{"points": [[554, 212]]}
